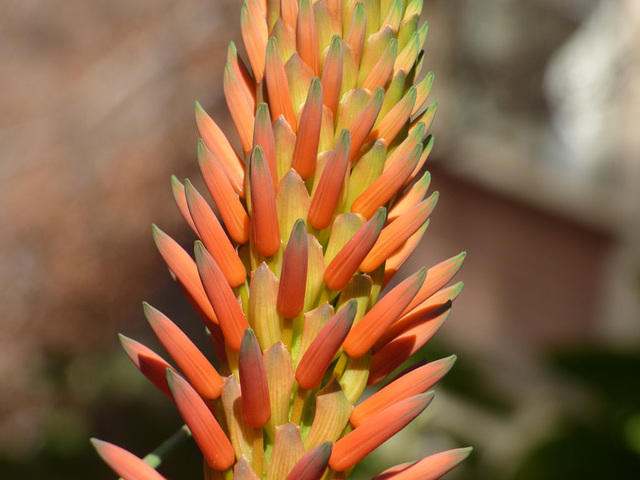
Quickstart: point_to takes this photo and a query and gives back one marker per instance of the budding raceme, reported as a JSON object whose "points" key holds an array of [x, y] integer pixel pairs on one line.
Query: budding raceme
{"points": [[310, 221]]}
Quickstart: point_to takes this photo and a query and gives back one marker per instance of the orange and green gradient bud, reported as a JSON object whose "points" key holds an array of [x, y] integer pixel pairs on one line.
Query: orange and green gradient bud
{"points": [[310, 222]]}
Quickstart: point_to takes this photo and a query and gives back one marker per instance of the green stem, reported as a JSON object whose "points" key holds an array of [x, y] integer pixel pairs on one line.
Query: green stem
{"points": [[155, 458]]}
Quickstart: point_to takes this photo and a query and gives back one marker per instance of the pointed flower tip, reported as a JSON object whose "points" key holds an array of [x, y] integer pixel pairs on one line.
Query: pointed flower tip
{"points": [[429, 468], [230, 315], [315, 87], [149, 310], [263, 136], [199, 251], [262, 111], [305, 152], [437, 277], [388, 184], [96, 442], [346, 262], [201, 150], [124, 463], [318, 357], [382, 315], [248, 335], [213, 236], [180, 197], [463, 452], [312, 464], [264, 220], [151, 364], [351, 307], [299, 231], [156, 231], [357, 444], [202, 375], [412, 382], [403, 225], [172, 379], [256, 406], [206, 431], [199, 109], [232, 50], [326, 197]]}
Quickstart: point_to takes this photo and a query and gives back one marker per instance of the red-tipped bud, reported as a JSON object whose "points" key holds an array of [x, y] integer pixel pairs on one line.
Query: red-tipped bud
{"points": [[204, 378], [426, 151], [263, 136], [293, 280], [431, 308], [332, 75], [278, 86], [412, 383], [256, 407], [264, 216], [213, 443], [364, 121], [394, 16], [313, 464], [397, 117], [124, 463], [246, 82], [152, 365], [414, 139], [186, 273], [181, 200], [233, 214], [386, 185], [429, 468], [242, 112], [356, 445], [346, 262], [437, 277], [214, 237], [423, 91], [383, 68], [325, 199], [254, 39], [232, 321], [394, 353], [317, 358], [220, 148], [357, 31], [365, 334], [305, 152], [410, 197], [307, 40], [395, 234]]}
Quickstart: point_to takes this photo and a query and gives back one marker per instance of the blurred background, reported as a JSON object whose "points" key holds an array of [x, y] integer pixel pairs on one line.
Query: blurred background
{"points": [[537, 161]]}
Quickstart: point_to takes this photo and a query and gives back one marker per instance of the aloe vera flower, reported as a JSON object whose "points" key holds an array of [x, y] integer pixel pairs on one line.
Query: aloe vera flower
{"points": [[311, 220]]}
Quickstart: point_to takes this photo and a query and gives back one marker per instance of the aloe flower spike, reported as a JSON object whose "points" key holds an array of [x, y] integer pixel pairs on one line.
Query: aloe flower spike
{"points": [[306, 216]]}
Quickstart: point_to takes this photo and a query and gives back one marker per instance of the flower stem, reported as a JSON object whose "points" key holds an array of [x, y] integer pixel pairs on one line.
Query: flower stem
{"points": [[258, 451], [167, 447], [298, 404], [287, 332]]}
